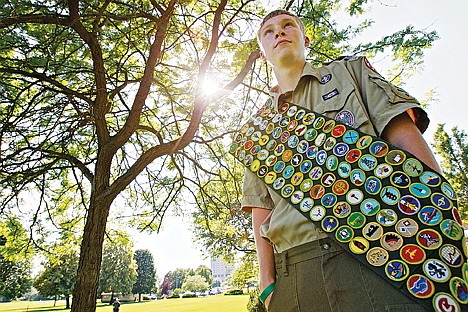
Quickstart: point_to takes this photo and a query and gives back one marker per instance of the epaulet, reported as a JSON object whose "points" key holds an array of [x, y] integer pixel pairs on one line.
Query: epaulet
{"points": [[342, 58]]}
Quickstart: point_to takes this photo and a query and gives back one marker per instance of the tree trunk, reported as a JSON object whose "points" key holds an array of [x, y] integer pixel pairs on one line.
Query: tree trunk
{"points": [[85, 292], [67, 302]]}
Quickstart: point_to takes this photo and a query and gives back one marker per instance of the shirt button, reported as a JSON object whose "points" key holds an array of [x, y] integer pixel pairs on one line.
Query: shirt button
{"points": [[326, 246]]}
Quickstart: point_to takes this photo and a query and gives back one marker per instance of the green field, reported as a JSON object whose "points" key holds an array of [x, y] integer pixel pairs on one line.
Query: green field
{"points": [[218, 303]]}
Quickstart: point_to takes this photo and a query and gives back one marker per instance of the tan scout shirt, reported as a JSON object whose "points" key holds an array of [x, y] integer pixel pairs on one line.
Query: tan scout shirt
{"points": [[337, 90]]}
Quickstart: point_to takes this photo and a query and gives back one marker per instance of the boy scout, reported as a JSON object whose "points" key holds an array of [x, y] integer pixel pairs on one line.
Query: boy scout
{"points": [[301, 269]]}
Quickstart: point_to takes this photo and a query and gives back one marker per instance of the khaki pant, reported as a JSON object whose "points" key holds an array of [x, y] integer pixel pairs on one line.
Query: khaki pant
{"points": [[321, 276]]}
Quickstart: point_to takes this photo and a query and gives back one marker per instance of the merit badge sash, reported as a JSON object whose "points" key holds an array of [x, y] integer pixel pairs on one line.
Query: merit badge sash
{"points": [[380, 203]]}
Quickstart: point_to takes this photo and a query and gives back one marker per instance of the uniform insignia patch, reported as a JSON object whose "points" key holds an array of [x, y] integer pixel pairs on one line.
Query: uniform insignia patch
{"points": [[346, 117], [325, 79], [330, 94]]}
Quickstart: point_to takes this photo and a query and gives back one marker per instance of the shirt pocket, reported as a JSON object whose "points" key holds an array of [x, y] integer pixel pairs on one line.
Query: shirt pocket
{"points": [[346, 108]]}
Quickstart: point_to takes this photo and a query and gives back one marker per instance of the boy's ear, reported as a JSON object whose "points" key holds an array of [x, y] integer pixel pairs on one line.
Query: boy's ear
{"points": [[262, 56], [307, 41]]}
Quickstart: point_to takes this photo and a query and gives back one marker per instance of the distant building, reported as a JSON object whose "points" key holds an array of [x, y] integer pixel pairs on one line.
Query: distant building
{"points": [[220, 269]]}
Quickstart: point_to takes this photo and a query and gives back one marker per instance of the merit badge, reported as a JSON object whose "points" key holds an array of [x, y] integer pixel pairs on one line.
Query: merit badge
{"points": [[443, 302], [430, 178], [338, 131], [329, 224], [395, 157], [377, 256], [354, 196], [317, 213], [420, 286], [344, 169], [270, 177], [328, 126], [391, 241], [297, 197], [383, 170], [317, 191], [386, 217], [287, 190], [390, 195], [372, 231], [430, 215], [400, 179], [429, 239], [300, 114], [279, 183], [448, 190], [350, 136], [312, 152], [397, 270], [353, 155], [451, 255], [420, 190], [379, 149], [373, 185], [459, 289], [364, 142], [412, 254], [306, 204], [340, 187], [441, 201], [407, 227], [451, 229], [340, 149], [356, 220], [358, 245], [291, 111], [409, 205], [342, 210], [370, 206], [328, 200], [367, 162], [436, 270], [413, 167], [358, 177], [344, 234], [306, 185]]}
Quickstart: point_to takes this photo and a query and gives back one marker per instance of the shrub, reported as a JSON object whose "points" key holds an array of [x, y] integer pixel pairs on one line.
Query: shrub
{"points": [[254, 304], [234, 292]]}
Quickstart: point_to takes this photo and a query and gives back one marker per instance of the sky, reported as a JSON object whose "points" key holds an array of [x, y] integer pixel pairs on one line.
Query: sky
{"points": [[444, 67]]}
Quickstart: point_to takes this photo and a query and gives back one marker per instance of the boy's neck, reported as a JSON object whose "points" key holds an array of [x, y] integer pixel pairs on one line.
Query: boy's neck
{"points": [[289, 76]]}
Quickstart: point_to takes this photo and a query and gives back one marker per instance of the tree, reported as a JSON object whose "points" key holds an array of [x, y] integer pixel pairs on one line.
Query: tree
{"points": [[104, 97], [195, 283], [146, 274], [205, 272], [177, 277], [118, 269], [453, 148], [58, 277], [15, 259], [246, 273]]}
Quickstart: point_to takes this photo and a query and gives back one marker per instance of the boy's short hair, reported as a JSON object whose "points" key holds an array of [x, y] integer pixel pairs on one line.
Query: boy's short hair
{"points": [[276, 13]]}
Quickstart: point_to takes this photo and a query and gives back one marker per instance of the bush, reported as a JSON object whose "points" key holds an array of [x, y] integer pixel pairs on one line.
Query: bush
{"points": [[234, 292], [254, 304], [188, 294]]}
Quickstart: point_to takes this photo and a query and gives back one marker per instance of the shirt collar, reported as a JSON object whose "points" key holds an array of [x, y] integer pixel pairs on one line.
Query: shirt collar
{"points": [[308, 70]]}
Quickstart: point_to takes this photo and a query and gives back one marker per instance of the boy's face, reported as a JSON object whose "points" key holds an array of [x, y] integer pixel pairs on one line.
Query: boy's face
{"points": [[281, 38]]}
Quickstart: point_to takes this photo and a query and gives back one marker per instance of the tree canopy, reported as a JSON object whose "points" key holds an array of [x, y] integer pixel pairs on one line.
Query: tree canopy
{"points": [[146, 273]]}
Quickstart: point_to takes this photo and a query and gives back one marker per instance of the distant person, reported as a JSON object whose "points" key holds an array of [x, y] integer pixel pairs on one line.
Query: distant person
{"points": [[116, 305]]}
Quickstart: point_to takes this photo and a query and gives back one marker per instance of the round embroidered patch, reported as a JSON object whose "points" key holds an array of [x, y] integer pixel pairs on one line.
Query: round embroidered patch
{"points": [[354, 196], [395, 157], [413, 167], [287, 190], [340, 187], [373, 185], [271, 145], [288, 172], [377, 256], [279, 183], [430, 215], [448, 191], [293, 141], [429, 239], [372, 231], [308, 119], [412, 254], [400, 179], [459, 289], [441, 201], [420, 190], [279, 149], [367, 162], [328, 200], [329, 224], [300, 114], [306, 185], [397, 270], [391, 241], [297, 178], [340, 149], [270, 177], [407, 227], [306, 166], [378, 149], [317, 191], [279, 166], [328, 126], [332, 163], [317, 213], [370, 206], [297, 197], [338, 131], [344, 169], [311, 153], [350, 137], [342, 210], [303, 146], [358, 177], [420, 286], [356, 220], [344, 234], [346, 117], [287, 155], [430, 178], [443, 302], [390, 195], [364, 141], [358, 245], [383, 170], [386, 217], [306, 204], [436, 270], [409, 205], [310, 135], [451, 255], [451, 229]]}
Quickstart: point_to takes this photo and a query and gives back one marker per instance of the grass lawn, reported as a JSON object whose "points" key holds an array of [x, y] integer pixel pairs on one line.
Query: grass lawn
{"points": [[218, 303]]}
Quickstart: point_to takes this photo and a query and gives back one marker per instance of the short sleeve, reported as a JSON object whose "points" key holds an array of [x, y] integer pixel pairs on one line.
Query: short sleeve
{"points": [[384, 100], [255, 193]]}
